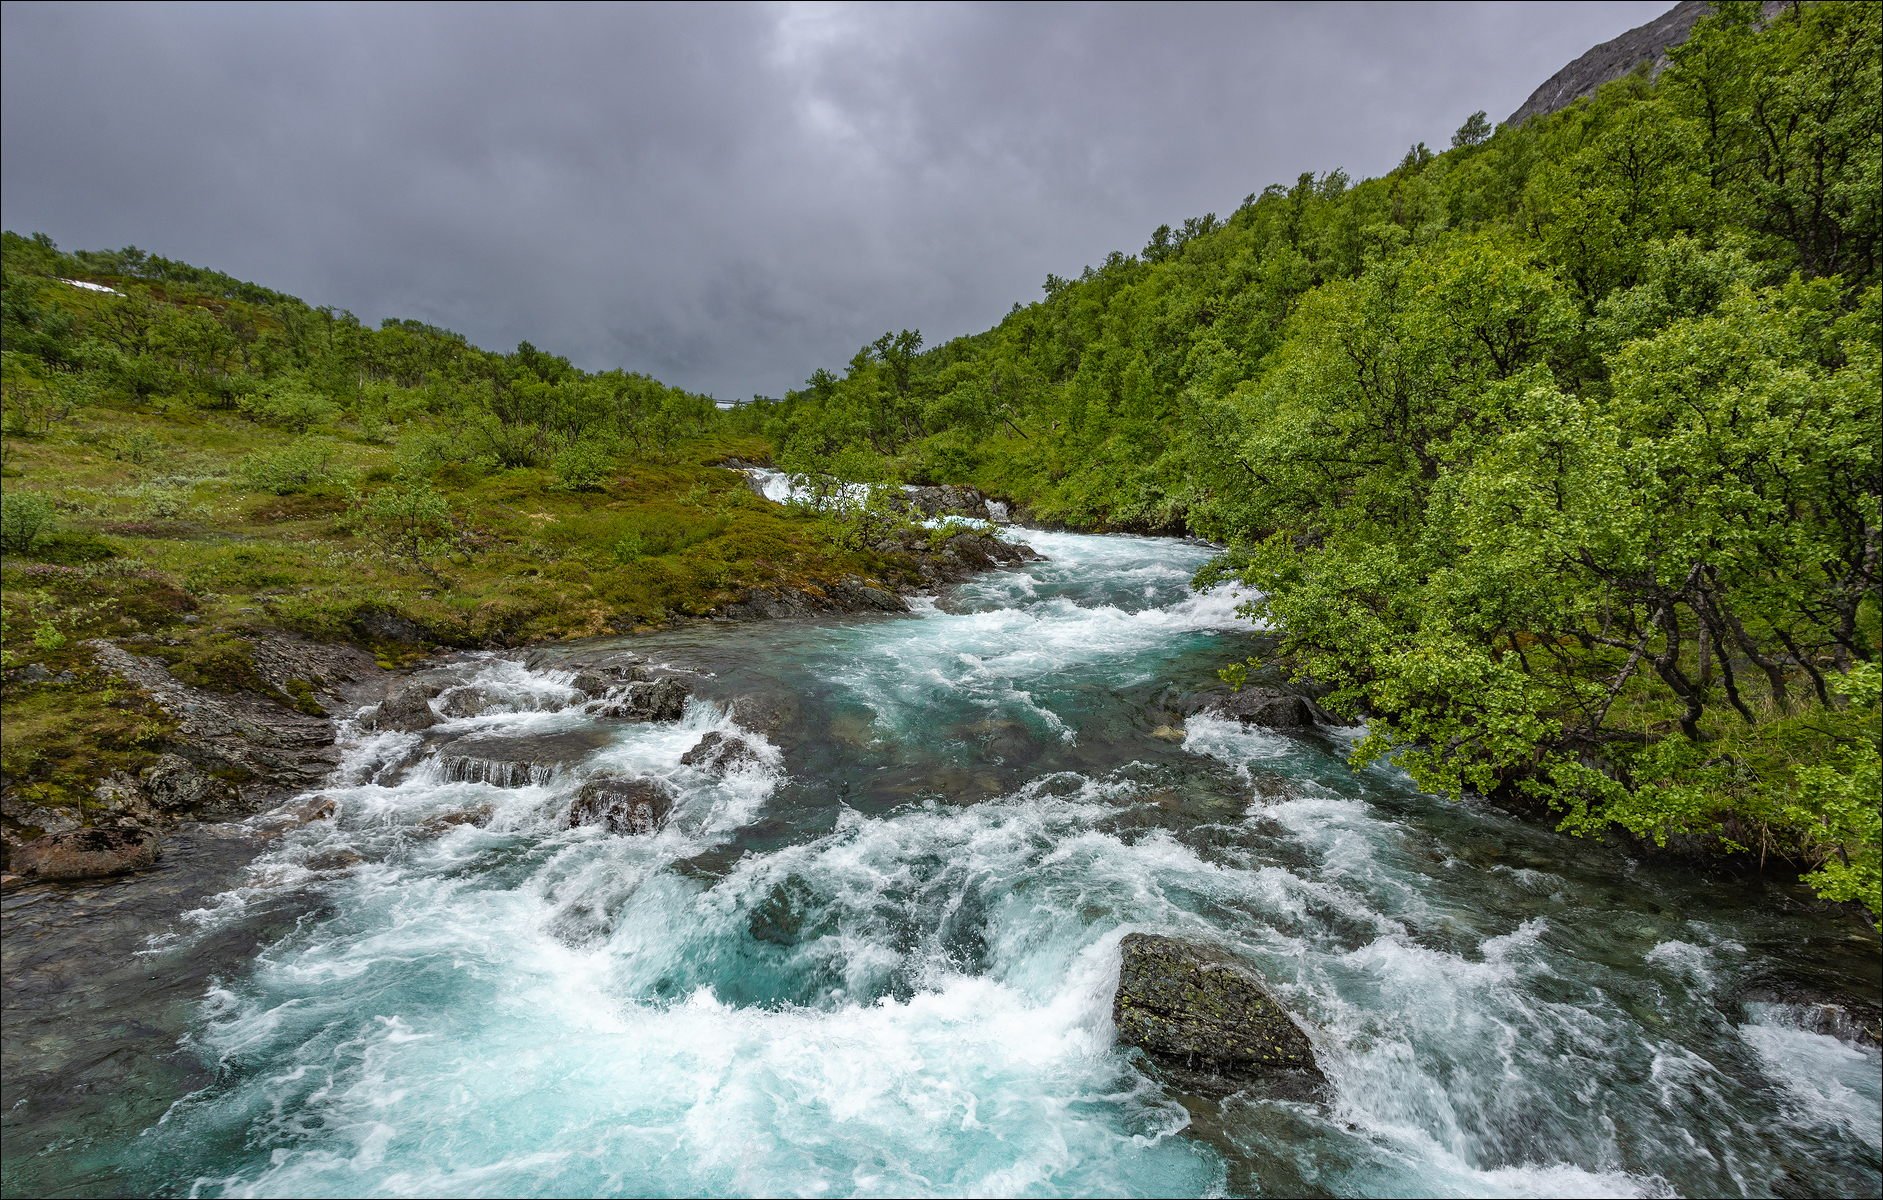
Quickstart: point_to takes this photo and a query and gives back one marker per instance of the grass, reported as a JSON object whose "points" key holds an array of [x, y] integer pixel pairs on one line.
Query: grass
{"points": [[160, 537]]}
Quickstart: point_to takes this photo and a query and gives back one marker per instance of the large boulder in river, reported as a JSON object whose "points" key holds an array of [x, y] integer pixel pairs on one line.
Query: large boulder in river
{"points": [[1268, 706], [88, 853], [716, 754], [623, 803], [1205, 1017], [662, 700], [408, 709]]}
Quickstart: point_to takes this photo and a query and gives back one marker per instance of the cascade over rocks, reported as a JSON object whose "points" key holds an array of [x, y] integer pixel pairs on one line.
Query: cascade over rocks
{"points": [[516, 762], [1206, 1018], [88, 853], [623, 803]]}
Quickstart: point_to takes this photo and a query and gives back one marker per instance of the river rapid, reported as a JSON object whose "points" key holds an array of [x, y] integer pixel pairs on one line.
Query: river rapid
{"points": [[880, 959]]}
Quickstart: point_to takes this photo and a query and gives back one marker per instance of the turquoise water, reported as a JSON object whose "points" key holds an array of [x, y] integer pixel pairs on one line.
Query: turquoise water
{"points": [[880, 960]]}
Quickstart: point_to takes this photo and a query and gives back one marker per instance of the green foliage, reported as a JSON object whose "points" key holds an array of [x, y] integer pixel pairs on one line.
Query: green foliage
{"points": [[289, 405], [25, 517], [1555, 454], [409, 521], [583, 466], [305, 464]]}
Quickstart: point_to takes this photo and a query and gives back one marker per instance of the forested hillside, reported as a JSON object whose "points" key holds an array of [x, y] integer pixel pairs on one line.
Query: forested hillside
{"points": [[1555, 452]]}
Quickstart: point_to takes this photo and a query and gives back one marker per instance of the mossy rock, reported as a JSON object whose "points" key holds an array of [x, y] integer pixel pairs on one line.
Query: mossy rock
{"points": [[1206, 1019]]}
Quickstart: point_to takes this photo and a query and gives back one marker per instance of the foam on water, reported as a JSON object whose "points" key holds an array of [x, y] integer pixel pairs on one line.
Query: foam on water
{"points": [[915, 999]]}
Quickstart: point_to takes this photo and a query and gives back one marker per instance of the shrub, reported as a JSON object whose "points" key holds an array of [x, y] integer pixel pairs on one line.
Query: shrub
{"points": [[135, 448], [410, 520], [289, 405], [25, 517], [295, 469], [582, 467]]}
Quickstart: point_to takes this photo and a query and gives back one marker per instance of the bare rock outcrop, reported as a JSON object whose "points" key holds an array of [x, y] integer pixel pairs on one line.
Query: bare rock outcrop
{"points": [[1616, 58], [264, 750]]}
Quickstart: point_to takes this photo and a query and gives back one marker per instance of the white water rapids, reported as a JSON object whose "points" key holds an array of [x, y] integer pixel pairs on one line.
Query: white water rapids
{"points": [[880, 960]]}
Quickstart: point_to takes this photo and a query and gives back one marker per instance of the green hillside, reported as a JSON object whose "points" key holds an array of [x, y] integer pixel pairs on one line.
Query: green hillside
{"points": [[1555, 452], [192, 462]]}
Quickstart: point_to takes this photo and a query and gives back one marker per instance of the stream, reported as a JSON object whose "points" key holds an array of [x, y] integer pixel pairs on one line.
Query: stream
{"points": [[878, 958]]}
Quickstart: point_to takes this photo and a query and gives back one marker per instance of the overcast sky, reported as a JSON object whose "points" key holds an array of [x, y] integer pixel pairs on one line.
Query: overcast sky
{"points": [[725, 197]]}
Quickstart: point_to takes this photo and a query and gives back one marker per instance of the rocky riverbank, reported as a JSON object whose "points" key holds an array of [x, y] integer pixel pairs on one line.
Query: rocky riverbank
{"points": [[230, 754]]}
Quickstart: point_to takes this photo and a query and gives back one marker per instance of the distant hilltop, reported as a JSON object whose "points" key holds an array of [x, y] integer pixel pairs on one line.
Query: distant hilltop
{"points": [[1614, 59]]}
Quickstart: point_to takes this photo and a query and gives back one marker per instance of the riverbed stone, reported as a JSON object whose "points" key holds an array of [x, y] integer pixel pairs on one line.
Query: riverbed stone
{"points": [[93, 853], [623, 803], [469, 702], [1204, 1016]]}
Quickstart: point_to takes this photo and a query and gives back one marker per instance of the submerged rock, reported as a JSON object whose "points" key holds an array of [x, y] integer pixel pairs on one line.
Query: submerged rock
{"points": [[717, 754], [623, 803], [763, 712], [88, 853], [1206, 1018]]}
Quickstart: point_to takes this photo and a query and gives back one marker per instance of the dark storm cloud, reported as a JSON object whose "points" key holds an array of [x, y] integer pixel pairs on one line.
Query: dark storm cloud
{"points": [[724, 197]]}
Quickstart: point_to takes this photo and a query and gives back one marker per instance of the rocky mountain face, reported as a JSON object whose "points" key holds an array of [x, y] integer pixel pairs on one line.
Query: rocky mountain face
{"points": [[1616, 58]]}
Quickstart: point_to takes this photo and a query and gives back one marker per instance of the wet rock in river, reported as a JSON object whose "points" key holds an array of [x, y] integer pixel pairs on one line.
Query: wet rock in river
{"points": [[1206, 1018], [717, 754], [662, 700], [1267, 706], [470, 702], [407, 709], [88, 853], [439, 824], [623, 803]]}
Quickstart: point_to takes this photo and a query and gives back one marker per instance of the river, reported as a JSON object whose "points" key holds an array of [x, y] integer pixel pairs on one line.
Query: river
{"points": [[879, 960]]}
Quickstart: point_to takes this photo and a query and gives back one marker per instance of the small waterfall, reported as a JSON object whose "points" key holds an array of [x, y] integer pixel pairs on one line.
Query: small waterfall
{"points": [[459, 768]]}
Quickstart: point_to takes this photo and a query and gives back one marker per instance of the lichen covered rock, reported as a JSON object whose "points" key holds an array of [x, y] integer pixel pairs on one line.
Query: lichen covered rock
{"points": [[1205, 1017]]}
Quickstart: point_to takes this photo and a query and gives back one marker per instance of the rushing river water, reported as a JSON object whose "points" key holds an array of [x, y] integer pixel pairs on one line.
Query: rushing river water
{"points": [[880, 960]]}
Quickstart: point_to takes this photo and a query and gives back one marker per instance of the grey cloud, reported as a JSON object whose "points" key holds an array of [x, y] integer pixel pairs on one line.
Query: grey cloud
{"points": [[723, 196]]}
